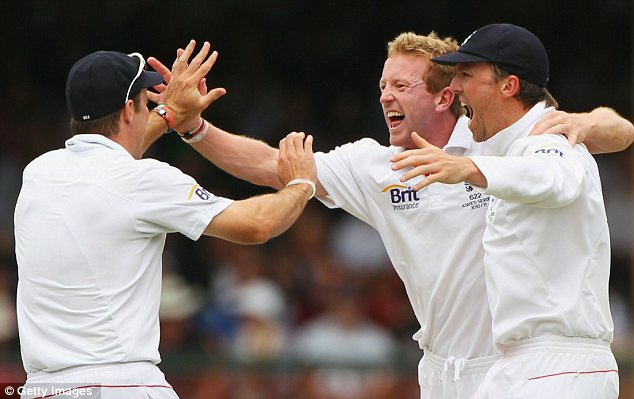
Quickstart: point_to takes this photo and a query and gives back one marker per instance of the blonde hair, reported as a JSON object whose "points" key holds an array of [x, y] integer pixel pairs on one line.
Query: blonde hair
{"points": [[438, 76]]}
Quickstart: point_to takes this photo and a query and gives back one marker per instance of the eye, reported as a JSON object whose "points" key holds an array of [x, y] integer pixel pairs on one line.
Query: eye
{"points": [[401, 87]]}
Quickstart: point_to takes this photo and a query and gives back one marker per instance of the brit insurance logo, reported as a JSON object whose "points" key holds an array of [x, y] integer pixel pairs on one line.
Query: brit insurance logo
{"points": [[198, 191], [403, 198]]}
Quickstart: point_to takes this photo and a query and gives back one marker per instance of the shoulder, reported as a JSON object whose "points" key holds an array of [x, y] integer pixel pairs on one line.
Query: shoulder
{"points": [[44, 160], [363, 148], [152, 169], [530, 142]]}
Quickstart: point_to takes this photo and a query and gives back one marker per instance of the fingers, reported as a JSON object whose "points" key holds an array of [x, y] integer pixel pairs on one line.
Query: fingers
{"points": [[202, 86], [420, 142], [160, 68], [422, 170], [154, 97], [181, 60], [424, 183], [201, 70], [212, 96], [410, 158], [294, 144], [308, 144], [202, 54]]}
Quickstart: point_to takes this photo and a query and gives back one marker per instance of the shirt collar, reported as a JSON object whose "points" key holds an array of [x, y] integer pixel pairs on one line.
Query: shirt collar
{"points": [[87, 142], [461, 138], [501, 142]]}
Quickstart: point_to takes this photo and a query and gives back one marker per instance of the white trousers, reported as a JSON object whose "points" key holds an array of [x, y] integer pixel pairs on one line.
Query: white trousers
{"points": [[554, 368], [451, 378], [134, 380]]}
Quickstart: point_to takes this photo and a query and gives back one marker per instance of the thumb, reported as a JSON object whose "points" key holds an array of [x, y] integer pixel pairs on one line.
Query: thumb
{"points": [[419, 141], [213, 95]]}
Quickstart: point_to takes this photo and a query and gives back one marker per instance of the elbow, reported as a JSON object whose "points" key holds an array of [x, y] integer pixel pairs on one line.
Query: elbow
{"points": [[259, 233]]}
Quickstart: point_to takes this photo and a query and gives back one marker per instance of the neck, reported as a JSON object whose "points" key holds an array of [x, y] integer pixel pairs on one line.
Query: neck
{"points": [[127, 140], [439, 134]]}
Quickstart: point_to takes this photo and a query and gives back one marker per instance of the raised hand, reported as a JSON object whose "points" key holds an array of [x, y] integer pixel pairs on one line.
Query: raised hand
{"points": [[186, 90]]}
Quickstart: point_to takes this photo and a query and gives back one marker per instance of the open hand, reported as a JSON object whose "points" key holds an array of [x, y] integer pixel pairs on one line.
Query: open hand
{"points": [[186, 90], [433, 163], [573, 126]]}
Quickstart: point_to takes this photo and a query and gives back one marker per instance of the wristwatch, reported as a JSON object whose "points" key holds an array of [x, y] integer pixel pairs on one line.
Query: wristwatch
{"points": [[168, 116]]}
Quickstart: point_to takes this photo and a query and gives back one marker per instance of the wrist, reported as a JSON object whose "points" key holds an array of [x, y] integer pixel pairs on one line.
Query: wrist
{"points": [[475, 176], [304, 181], [196, 134], [167, 114]]}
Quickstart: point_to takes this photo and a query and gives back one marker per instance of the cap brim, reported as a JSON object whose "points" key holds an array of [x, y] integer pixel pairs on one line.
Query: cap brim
{"points": [[150, 78], [147, 79], [458, 57]]}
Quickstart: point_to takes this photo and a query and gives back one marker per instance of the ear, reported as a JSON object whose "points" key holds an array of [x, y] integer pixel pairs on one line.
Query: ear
{"points": [[511, 86], [127, 112], [444, 99]]}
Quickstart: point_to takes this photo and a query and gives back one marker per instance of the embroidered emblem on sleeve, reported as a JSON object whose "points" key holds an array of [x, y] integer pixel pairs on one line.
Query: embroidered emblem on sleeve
{"points": [[199, 192], [549, 151]]}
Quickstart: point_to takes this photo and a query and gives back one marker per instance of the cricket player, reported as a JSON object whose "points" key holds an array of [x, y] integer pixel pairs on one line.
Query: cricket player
{"points": [[91, 221], [433, 236], [546, 241]]}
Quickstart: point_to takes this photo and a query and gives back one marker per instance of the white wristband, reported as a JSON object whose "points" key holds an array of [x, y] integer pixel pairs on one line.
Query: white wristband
{"points": [[303, 181], [197, 134]]}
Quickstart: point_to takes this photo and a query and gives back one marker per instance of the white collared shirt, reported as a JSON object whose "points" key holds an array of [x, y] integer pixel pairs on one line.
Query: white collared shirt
{"points": [[547, 241], [433, 239], [90, 227]]}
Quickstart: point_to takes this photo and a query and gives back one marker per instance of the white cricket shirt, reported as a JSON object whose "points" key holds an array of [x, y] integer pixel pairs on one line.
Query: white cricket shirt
{"points": [[547, 242], [90, 225], [433, 238]]}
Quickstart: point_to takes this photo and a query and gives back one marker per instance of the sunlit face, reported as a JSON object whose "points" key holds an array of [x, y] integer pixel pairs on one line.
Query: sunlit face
{"points": [[477, 87], [407, 105]]}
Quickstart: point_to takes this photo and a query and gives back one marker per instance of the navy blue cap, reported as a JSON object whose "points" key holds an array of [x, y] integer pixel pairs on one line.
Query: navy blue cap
{"points": [[512, 48], [100, 83]]}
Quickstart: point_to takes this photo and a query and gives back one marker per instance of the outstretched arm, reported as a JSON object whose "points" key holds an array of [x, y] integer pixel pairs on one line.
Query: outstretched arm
{"points": [[257, 219], [602, 130], [241, 156]]}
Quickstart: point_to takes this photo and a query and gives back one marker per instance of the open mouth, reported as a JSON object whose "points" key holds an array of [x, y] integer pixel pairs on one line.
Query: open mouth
{"points": [[468, 110], [395, 118]]}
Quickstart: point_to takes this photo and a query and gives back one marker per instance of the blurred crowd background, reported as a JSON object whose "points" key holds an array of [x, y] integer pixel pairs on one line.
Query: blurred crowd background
{"points": [[318, 312]]}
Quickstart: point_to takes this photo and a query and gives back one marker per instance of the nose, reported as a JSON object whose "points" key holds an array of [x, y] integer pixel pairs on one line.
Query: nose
{"points": [[386, 96]]}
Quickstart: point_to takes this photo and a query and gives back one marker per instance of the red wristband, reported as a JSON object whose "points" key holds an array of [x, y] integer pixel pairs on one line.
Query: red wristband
{"points": [[167, 114]]}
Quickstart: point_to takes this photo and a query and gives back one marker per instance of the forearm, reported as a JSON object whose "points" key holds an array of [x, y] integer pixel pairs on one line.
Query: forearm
{"points": [[258, 219], [608, 131], [243, 157]]}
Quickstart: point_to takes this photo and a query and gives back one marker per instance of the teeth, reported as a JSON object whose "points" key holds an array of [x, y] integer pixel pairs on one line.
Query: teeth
{"points": [[392, 114]]}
